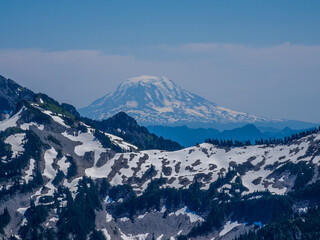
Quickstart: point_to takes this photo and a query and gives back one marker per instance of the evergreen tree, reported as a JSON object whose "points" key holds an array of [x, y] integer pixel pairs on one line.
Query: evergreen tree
{"points": [[4, 219]]}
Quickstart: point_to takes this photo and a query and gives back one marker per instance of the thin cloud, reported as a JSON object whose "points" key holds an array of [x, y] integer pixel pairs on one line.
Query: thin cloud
{"points": [[199, 48]]}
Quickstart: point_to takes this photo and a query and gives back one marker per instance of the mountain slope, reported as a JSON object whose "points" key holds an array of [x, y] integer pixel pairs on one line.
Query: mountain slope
{"points": [[127, 128], [158, 100], [54, 155], [205, 162], [63, 178], [10, 94]]}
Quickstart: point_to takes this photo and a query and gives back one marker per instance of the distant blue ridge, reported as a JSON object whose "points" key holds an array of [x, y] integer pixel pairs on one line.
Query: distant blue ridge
{"points": [[188, 137]]}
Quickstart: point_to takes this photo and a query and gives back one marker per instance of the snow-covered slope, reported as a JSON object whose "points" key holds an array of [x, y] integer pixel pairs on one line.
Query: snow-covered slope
{"points": [[59, 171], [204, 162], [158, 100], [255, 165], [243, 170]]}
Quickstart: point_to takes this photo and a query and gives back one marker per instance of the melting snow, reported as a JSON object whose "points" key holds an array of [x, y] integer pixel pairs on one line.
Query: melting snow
{"points": [[28, 176], [119, 141], [73, 185], [109, 217], [228, 227], [160, 237], [57, 119], [106, 234], [22, 210], [205, 159], [142, 216], [63, 165], [134, 237], [54, 219], [49, 156], [16, 142], [11, 122], [185, 211], [89, 143], [124, 219], [26, 126]]}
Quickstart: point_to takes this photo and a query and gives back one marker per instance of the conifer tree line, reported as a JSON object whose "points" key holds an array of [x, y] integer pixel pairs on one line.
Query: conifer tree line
{"points": [[274, 141]]}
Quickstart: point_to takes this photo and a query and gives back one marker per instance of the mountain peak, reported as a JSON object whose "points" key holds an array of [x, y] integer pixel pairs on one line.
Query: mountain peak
{"points": [[153, 100], [10, 94], [146, 79], [149, 81]]}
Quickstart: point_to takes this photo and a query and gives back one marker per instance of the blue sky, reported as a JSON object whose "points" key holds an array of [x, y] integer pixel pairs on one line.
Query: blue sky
{"points": [[107, 25], [260, 57]]}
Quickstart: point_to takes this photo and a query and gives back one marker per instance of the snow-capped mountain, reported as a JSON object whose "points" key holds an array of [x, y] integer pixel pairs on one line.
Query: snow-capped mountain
{"points": [[64, 177], [60, 162], [159, 101]]}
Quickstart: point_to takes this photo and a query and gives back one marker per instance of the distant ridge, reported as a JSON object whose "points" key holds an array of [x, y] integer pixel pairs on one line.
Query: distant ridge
{"points": [[191, 136], [159, 101]]}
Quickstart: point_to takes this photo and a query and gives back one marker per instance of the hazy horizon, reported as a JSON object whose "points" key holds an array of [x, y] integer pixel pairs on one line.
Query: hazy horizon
{"points": [[259, 58]]}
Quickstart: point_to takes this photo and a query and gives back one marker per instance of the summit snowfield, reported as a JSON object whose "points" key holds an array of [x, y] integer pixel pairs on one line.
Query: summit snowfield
{"points": [[155, 100]]}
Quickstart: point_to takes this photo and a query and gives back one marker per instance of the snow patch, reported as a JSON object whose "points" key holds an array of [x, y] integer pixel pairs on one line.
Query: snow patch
{"points": [[192, 216], [109, 217], [228, 227], [142, 216], [72, 185], [106, 234], [49, 156], [160, 237], [88, 144], [63, 165], [124, 219], [11, 122], [56, 118], [54, 219], [16, 141], [22, 210], [133, 237], [28, 176], [26, 126]]}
